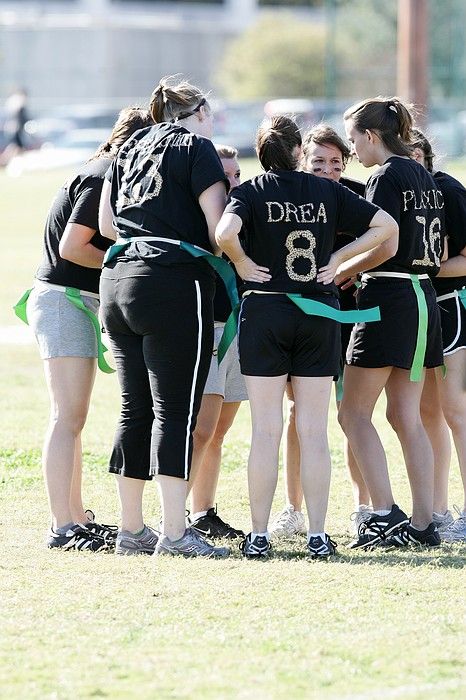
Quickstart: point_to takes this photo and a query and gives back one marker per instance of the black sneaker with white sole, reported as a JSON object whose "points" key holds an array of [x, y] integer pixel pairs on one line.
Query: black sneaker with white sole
{"points": [[77, 537], [319, 547], [255, 548], [378, 527], [408, 535], [212, 526], [108, 532]]}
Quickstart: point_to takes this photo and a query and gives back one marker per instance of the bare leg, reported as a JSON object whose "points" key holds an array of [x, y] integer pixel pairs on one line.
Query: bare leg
{"points": [[207, 420], [266, 402], [453, 398], [403, 409], [363, 387], [76, 502], [69, 382], [361, 494], [312, 396], [173, 492], [205, 484], [130, 492], [292, 469], [437, 430]]}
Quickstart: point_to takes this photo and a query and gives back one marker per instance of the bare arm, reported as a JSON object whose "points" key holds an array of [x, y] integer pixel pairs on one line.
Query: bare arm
{"points": [[212, 202], [76, 246], [454, 267], [374, 247], [226, 236], [105, 213]]}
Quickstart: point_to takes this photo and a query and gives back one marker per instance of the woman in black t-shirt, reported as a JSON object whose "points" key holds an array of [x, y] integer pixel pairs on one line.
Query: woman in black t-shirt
{"points": [[408, 337], [166, 195], [291, 219], [443, 402], [325, 154], [73, 254]]}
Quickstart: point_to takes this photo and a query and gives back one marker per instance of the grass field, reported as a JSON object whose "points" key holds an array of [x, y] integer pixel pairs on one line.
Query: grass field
{"points": [[78, 626]]}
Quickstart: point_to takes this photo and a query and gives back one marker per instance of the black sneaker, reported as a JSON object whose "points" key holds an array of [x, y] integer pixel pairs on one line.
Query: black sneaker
{"points": [[319, 547], [107, 532], [255, 548], [378, 527], [409, 535], [77, 537], [211, 525]]}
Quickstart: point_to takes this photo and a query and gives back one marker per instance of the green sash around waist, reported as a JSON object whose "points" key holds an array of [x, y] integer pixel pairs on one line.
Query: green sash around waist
{"points": [[310, 307], [74, 296]]}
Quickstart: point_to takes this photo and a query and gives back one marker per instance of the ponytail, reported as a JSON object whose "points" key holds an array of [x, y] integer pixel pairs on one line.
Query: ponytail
{"points": [[389, 118]]}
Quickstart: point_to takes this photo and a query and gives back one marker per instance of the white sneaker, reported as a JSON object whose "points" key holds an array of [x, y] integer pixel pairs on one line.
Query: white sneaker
{"points": [[361, 515], [456, 532], [443, 520], [288, 523]]}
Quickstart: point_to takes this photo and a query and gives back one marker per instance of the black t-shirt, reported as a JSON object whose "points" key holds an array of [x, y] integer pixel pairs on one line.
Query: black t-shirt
{"points": [[408, 192], [77, 202], [455, 222], [291, 219], [345, 237], [157, 179]]}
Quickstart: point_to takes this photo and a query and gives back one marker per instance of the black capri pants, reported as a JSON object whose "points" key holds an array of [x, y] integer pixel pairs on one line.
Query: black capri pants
{"points": [[159, 320]]}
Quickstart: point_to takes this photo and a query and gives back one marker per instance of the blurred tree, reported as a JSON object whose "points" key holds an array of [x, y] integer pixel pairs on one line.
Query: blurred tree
{"points": [[280, 56]]}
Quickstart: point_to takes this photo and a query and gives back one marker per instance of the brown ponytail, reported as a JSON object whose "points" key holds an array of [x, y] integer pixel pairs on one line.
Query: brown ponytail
{"points": [[389, 118], [175, 99], [275, 142], [419, 140], [129, 120]]}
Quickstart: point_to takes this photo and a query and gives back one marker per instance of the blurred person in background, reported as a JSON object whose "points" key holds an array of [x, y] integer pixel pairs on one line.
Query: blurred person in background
{"points": [[443, 403], [16, 116], [69, 277], [224, 390], [166, 195], [325, 154]]}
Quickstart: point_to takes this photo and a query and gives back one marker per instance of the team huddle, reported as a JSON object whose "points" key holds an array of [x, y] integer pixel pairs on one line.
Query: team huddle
{"points": [[212, 292]]}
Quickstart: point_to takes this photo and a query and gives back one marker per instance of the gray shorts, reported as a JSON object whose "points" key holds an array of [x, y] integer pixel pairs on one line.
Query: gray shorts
{"points": [[60, 328], [226, 379]]}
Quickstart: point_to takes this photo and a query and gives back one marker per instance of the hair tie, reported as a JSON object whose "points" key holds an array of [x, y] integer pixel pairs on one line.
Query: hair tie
{"points": [[393, 108]]}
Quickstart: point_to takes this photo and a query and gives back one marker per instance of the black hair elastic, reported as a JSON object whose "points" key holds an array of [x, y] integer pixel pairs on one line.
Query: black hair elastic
{"points": [[183, 115]]}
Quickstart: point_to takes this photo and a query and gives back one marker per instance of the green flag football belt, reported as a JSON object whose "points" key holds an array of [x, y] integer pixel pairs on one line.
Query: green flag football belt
{"points": [[423, 317], [74, 296], [311, 307]]}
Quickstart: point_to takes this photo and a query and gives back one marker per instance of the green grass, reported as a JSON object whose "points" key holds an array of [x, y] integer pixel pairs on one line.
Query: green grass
{"points": [[79, 626]]}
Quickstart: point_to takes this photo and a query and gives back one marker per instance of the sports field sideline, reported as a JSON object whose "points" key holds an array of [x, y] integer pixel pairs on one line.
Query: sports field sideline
{"points": [[77, 625]]}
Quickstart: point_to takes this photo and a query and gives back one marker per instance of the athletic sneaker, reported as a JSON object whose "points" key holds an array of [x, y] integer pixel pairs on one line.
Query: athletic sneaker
{"points": [[409, 535], [76, 537], [378, 527], [456, 532], [443, 520], [190, 545], [319, 547], [362, 514], [212, 525], [288, 523], [255, 548], [127, 543]]}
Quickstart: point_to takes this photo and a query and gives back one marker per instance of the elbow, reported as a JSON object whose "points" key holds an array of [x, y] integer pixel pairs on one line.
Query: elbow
{"points": [[66, 251]]}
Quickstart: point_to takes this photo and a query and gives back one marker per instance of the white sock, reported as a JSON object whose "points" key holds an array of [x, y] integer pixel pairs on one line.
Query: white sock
{"points": [[260, 534], [381, 512], [200, 514], [316, 534]]}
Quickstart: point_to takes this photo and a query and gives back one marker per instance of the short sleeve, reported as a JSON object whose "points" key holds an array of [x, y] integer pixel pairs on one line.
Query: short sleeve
{"points": [[85, 203], [455, 214], [383, 191], [206, 167], [354, 212], [238, 203]]}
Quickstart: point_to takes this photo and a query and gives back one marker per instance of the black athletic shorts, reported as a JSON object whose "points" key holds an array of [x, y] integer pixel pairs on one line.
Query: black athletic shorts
{"points": [[453, 319], [391, 342], [276, 337]]}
